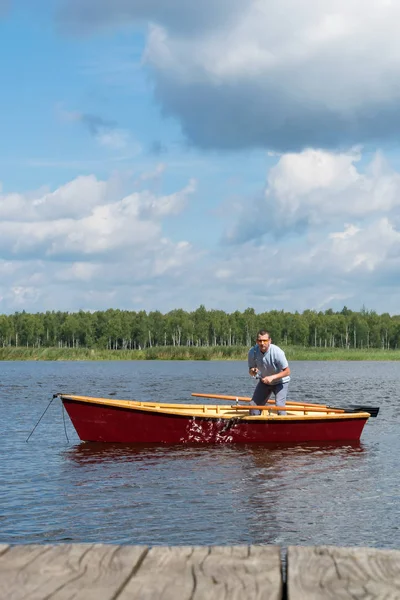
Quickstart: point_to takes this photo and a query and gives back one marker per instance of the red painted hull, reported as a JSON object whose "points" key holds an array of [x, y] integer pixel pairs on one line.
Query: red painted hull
{"points": [[101, 423]]}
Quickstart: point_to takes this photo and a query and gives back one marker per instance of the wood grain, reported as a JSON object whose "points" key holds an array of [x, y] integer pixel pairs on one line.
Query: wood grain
{"points": [[332, 573], [109, 572], [78, 571], [212, 573]]}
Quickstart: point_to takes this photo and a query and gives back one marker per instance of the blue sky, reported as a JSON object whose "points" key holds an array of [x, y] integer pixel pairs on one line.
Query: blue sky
{"points": [[229, 154]]}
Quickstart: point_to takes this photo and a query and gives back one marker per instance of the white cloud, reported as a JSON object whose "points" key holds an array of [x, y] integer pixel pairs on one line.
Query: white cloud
{"points": [[324, 231], [74, 199], [354, 266], [323, 185], [166, 205], [87, 245], [349, 232], [328, 234], [313, 170], [376, 246], [281, 75], [317, 188], [81, 219]]}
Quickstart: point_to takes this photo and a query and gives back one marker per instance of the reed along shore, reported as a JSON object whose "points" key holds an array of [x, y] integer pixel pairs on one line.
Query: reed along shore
{"points": [[191, 353]]}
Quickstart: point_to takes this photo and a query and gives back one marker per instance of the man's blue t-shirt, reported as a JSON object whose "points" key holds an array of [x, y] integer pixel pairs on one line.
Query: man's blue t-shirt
{"points": [[271, 362]]}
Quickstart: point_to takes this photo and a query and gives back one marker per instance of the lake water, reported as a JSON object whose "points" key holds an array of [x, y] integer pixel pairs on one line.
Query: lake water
{"points": [[54, 491]]}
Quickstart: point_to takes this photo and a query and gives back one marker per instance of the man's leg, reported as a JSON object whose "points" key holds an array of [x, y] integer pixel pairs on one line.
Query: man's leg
{"points": [[261, 394], [281, 391]]}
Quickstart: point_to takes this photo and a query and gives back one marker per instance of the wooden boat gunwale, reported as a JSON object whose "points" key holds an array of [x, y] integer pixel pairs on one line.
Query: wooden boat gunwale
{"points": [[203, 411], [131, 421]]}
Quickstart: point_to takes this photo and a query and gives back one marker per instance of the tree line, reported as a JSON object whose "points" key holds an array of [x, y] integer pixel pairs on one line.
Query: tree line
{"points": [[115, 329]]}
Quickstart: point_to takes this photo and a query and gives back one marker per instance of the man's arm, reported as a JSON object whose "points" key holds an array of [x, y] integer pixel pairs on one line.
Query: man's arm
{"points": [[251, 360], [272, 378]]}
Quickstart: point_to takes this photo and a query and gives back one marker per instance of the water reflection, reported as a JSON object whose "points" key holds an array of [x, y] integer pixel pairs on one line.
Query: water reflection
{"points": [[262, 455], [307, 448], [279, 476], [92, 452], [88, 453], [281, 460]]}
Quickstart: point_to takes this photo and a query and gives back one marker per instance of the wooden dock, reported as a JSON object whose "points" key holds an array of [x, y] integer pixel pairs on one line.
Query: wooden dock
{"points": [[108, 572]]}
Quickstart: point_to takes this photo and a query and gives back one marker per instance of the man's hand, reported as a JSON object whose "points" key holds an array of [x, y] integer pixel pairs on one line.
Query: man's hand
{"points": [[269, 380], [253, 371]]}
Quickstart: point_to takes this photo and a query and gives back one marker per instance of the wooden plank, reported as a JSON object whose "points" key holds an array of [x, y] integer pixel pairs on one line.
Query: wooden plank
{"points": [[332, 573], [212, 573], [78, 571]]}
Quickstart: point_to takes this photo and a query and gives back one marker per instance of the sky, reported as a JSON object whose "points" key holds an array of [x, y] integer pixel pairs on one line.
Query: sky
{"points": [[233, 153]]}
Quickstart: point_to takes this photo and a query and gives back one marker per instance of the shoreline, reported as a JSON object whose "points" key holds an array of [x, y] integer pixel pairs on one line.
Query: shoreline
{"points": [[183, 353]]}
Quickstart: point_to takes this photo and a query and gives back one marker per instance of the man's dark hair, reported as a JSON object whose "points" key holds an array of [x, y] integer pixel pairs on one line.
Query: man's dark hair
{"points": [[263, 332]]}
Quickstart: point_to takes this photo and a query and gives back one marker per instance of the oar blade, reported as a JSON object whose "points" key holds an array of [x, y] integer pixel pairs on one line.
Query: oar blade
{"points": [[355, 408], [372, 410]]}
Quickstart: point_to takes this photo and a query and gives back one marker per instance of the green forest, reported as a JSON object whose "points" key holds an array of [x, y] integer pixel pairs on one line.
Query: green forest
{"points": [[123, 330]]}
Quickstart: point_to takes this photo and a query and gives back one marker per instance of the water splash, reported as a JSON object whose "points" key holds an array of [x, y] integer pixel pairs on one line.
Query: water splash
{"points": [[211, 431]]}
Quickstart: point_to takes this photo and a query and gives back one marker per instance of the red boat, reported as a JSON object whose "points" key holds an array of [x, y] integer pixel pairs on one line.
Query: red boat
{"points": [[129, 421]]}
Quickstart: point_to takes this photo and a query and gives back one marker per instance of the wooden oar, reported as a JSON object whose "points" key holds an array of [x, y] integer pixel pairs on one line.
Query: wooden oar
{"points": [[248, 399], [274, 407], [220, 397], [372, 410]]}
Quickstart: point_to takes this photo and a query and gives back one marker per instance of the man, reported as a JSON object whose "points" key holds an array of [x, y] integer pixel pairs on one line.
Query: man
{"points": [[268, 362]]}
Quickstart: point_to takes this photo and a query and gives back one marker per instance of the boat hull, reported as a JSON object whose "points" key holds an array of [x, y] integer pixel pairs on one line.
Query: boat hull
{"points": [[105, 423]]}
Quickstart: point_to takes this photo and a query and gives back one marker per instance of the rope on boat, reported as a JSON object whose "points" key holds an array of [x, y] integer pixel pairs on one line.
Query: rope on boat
{"points": [[46, 409]]}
